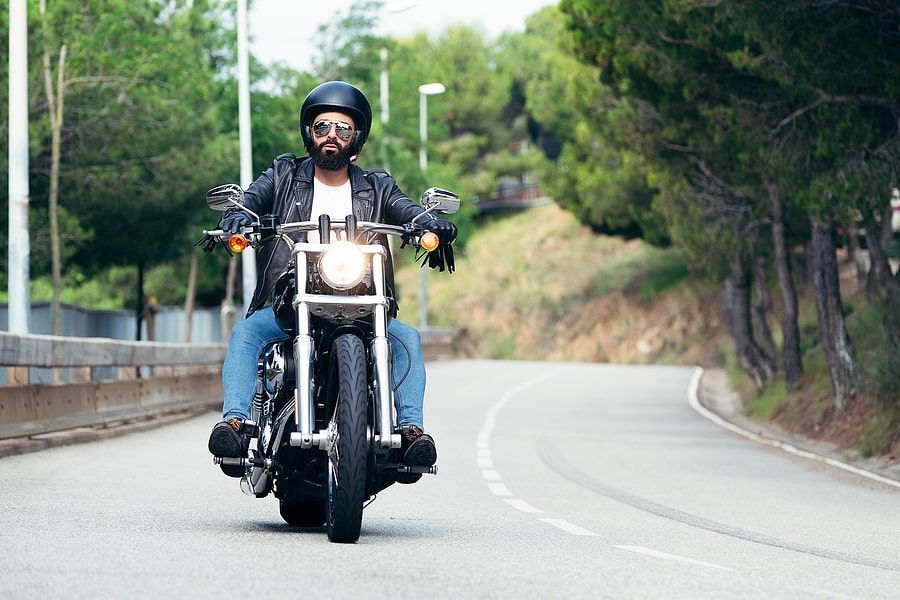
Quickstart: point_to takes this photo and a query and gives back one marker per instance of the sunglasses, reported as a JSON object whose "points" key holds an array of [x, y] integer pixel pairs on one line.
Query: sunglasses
{"points": [[341, 129]]}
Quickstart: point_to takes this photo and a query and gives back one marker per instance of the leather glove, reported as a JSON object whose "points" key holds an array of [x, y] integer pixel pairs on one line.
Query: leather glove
{"points": [[446, 230], [233, 220], [209, 243], [440, 259]]}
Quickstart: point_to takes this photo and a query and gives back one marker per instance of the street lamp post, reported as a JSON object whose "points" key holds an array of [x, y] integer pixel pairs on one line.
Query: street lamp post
{"points": [[248, 257], [425, 90], [18, 276]]}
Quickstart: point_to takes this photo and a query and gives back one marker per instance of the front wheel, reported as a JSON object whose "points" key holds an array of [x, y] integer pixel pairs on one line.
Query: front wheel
{"points": [[347, 448]]}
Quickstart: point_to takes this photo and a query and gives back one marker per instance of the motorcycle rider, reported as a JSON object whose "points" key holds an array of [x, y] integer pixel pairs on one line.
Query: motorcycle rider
{"points": [[335, 120]]}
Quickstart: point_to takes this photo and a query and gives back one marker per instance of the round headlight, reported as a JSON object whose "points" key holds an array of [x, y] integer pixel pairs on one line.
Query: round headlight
{"points": [[342, 265]]}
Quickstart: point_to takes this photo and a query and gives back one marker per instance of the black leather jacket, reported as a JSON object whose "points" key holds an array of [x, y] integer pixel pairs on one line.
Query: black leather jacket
{"points": [[286, 189]]}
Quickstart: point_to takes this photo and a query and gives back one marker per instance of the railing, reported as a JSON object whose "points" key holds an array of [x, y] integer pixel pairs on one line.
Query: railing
{"points": [[181, 377], [154, 379]]}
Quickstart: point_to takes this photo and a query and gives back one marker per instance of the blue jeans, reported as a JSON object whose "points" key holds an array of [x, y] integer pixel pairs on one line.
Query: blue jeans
{"points": [[249, 338]]}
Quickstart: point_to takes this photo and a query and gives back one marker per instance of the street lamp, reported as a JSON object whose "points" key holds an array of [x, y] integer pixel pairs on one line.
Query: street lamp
{"points": [[425, 90]]}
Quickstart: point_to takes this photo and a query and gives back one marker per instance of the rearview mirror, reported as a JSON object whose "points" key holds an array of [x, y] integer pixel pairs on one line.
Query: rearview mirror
{"points": [[440, 200], [223, 197]]}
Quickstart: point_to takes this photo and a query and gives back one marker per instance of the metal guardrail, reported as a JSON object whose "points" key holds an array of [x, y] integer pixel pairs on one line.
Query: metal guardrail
{"points": [[59, 352], [183, 377]]}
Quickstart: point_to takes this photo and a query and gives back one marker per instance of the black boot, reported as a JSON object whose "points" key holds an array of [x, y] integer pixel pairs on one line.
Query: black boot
{"points": [[417, 447], [227, 442]]}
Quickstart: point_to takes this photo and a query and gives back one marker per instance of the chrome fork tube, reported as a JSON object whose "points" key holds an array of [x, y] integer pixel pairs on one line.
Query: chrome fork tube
{"points": [[303, 358], [381, 351]]}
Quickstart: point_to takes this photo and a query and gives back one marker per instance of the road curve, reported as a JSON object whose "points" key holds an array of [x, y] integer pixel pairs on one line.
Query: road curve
{"points": [[555, 479]]}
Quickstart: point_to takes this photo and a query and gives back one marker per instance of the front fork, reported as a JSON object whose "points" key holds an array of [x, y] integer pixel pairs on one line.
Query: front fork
{"points": [[304, 350], [381, 351]]}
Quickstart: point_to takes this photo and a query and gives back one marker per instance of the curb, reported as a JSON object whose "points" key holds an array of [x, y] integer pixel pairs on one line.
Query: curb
{"points": [[694, 401]]}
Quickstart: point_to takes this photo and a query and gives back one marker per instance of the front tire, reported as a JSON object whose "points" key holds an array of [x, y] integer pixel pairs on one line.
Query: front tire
{"points": [[347, 460]]}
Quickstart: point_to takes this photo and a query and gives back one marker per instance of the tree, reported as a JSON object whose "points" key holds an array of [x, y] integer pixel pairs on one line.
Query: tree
{"points": [[670, 64], [589, 135], [140, 123], [837, 71]]}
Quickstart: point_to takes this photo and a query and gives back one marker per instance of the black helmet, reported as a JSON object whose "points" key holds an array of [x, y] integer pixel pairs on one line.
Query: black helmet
{"points": [[337, 96]]}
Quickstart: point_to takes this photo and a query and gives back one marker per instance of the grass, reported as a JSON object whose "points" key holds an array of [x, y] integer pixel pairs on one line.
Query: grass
{"points": [[882, 431], [765, 404], [653, 269], [672, 270]]}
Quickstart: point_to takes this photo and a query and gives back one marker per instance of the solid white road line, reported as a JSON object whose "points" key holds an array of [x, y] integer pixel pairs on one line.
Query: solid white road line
{"points": [[675, 557], [569, 527], [695, 404], [523, 506]]}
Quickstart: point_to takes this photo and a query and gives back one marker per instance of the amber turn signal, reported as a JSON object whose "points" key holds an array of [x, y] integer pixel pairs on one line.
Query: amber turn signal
{"points": [[429, 240], [237, 243]]}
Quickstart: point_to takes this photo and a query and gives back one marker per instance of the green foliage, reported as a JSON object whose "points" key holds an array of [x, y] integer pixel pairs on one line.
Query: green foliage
{"points": [[652, 269], [138, 120], [876, 329], [112, 289], [763, 405], [664, 275], [585, 131]]}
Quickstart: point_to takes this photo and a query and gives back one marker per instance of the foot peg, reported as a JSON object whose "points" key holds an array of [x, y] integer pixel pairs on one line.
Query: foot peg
{"points": [[431, 470], [242, 462]]}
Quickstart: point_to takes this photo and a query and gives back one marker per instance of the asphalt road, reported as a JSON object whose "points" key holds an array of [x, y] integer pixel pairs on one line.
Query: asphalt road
{"points": [[555, 480]]}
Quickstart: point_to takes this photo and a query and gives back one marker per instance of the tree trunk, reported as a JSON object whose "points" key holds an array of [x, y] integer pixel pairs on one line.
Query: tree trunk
{"points": [[790, 330], [190, 296], [833, 336], [139, 307], [55, 103], [762, 308], [881, 282], [855, 254], [737, 312], [887, 231]]}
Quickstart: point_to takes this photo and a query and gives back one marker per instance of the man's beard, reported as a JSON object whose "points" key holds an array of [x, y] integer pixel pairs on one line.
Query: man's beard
{"points": [[332, 162]]}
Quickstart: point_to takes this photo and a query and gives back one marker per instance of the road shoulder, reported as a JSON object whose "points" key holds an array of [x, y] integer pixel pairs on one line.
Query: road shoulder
{"points": [[716, 395]]}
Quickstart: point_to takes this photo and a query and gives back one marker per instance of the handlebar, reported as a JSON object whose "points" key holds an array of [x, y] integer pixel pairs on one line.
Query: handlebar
{"points": [[300, 226]]}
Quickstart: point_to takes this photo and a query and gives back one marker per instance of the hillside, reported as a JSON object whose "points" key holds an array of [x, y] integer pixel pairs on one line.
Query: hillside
{"points": [[538, 285]]}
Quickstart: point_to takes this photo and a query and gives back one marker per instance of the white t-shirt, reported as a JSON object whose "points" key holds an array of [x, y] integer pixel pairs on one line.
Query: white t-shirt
{"points": [[335, 201]]}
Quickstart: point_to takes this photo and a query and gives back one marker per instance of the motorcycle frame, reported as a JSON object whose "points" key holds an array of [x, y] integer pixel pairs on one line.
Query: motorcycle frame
{"points": [[304, 303]]}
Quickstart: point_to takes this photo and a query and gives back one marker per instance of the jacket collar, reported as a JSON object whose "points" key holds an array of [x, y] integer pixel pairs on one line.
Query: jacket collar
{"points": [[358, 181]]}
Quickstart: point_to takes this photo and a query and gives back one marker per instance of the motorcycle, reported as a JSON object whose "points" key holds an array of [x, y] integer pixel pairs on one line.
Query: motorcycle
{"points": [[323, 431]]}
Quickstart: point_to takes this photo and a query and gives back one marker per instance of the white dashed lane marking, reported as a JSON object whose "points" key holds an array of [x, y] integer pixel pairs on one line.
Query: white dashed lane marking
{"points": [[566, 526], [523, 506], [495, 483], [675, 557], [498, 489]]}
